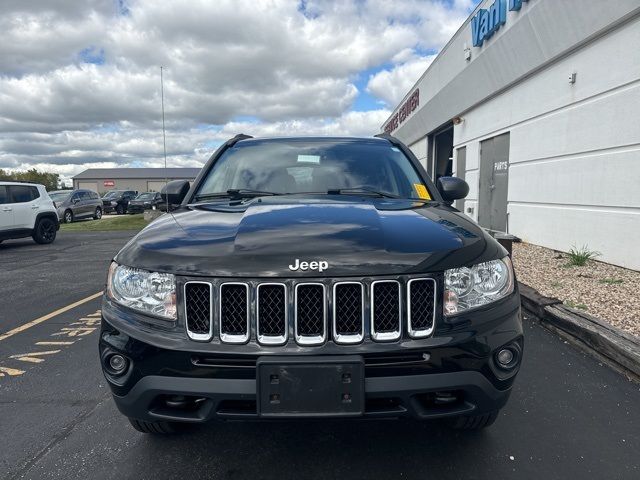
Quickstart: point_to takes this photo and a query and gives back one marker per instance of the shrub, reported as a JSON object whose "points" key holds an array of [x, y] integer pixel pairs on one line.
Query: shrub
{"points": [[578, 257]]}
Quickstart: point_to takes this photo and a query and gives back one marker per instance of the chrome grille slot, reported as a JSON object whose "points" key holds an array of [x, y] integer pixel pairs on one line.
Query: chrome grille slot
{"points": [[310, 314], [271, 320], [421, 306], [385, 310], [348, 312], [234, 312], [198, 310], [258, 310]]}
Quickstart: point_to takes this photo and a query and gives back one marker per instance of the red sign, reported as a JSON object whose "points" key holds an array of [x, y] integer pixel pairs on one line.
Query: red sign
{"points": [[109, 183], [403, 112]]}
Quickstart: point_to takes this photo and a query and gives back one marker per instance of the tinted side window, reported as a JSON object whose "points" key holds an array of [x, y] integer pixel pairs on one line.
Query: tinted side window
{"points": [[4, 195], [23, 193], [94, 195], [84, 196]]}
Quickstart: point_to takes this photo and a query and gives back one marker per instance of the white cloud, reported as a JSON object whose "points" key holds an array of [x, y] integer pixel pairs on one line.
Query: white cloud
{"points": [[287, 66], [393, 84]]}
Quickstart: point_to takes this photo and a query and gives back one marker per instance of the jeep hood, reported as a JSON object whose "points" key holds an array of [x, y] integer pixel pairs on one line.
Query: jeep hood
{"points": [[356, 236]]}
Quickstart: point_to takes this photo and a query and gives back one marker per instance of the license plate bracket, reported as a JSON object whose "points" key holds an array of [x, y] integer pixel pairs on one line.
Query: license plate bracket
{"points": [[310, 386]]}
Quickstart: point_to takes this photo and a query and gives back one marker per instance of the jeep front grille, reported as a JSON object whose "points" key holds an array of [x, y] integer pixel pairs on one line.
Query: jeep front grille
{"points": [[342, 310], [198, 315], [271, 319], [310, 313], [385, 310], [234, 312], [421, 306], [348, 312]]}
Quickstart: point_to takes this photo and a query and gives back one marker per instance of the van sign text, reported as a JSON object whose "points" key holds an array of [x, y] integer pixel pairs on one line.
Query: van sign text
{"points": [[487, 21]]}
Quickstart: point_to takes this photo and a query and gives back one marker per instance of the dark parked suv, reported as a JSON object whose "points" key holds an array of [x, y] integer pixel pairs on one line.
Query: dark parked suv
{"points": [[311, 278], [146, 201], [117, 200]]}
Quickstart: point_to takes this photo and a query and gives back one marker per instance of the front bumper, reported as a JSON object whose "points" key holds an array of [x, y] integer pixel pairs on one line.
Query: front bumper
{"points": [[413, 396], [402, 379], [137, 208]]}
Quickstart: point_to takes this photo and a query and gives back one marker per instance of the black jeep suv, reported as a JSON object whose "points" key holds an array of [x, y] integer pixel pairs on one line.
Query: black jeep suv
{"points": [[117, 201], [307, 278]]}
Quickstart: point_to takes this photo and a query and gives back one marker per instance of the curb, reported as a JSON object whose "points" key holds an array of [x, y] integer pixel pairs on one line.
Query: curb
{"points": [[614, 344]]}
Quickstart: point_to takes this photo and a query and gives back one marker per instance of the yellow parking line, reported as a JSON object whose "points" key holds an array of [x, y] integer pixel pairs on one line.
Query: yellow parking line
{"points": [[46, 317], [33, 357], [10, 371]]}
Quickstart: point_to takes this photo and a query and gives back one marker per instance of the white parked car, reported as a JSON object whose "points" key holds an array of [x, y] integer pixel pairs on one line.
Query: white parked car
{"points": [[26, 210]]}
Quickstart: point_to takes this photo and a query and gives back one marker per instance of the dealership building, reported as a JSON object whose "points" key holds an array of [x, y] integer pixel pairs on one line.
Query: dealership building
{"points": [[536, 104], [102, 180]]}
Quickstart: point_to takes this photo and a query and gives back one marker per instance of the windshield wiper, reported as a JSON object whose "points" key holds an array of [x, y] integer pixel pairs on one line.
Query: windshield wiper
{"points": [[366, 190], [236, 194]]}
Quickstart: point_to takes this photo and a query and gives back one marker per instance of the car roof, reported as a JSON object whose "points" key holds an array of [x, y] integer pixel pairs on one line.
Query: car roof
{"points": [[315, 139], [22, 183], [72, 191]]}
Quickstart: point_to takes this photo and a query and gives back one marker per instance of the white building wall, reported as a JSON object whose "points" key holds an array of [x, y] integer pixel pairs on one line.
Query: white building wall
{"points": [[543, 31], [419, 149], [574, 175]]}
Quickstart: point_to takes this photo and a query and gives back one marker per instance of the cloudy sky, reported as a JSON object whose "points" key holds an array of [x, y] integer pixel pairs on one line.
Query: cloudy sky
{"points": [[80, 79]]}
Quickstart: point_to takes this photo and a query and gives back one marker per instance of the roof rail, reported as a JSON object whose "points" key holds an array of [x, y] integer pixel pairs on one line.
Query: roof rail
{"points": [[393, 140], [241, 136]]}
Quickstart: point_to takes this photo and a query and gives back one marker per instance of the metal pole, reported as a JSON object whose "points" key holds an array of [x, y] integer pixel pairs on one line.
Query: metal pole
{"points": [[164, 137]]}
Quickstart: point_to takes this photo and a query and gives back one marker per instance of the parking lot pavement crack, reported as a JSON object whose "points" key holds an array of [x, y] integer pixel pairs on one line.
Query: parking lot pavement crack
{"points": [[56, 401], [23, 470], [23, 264]]}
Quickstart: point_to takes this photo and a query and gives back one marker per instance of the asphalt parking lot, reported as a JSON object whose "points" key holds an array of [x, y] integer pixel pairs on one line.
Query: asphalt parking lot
{"points": [[569, 416]]}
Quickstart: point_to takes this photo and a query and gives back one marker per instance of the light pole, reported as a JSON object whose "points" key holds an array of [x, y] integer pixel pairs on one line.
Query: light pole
{"points": [[164, 137]]}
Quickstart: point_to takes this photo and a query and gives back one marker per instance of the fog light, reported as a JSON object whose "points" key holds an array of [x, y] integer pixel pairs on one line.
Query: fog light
{"points": [[117, 363], [505, 357]]}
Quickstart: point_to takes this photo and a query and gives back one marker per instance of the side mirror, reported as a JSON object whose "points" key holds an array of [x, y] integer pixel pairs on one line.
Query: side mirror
{"points": [[175, 191], [452, 188], [75, 200]]}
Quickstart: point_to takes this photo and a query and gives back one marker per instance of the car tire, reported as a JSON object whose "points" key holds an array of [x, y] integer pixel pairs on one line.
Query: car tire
{"points": [[45, 231], [475, 422], [156, 428], [68, 216], [120, 210], [98, 214]]}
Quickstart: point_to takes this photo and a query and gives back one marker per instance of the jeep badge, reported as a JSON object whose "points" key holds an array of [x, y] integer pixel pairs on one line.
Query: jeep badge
{"points": [[321, 266]]}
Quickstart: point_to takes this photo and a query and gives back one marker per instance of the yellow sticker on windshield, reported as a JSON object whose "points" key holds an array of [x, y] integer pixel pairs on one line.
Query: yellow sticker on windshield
{"points": [[422, 191]]}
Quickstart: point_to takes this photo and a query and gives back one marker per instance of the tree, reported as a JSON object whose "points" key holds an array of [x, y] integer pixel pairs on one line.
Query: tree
{"points": [[49, 180]]}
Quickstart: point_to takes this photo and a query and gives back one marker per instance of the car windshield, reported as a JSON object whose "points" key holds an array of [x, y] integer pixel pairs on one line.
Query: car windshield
{"points": [[112, 194], [146, 196], [289, 166], [59, 196]]}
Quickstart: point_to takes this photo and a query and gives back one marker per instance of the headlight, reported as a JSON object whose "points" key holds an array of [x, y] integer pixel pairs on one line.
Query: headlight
{"points": [[467, 288], [148, 292], [113, 204]]}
